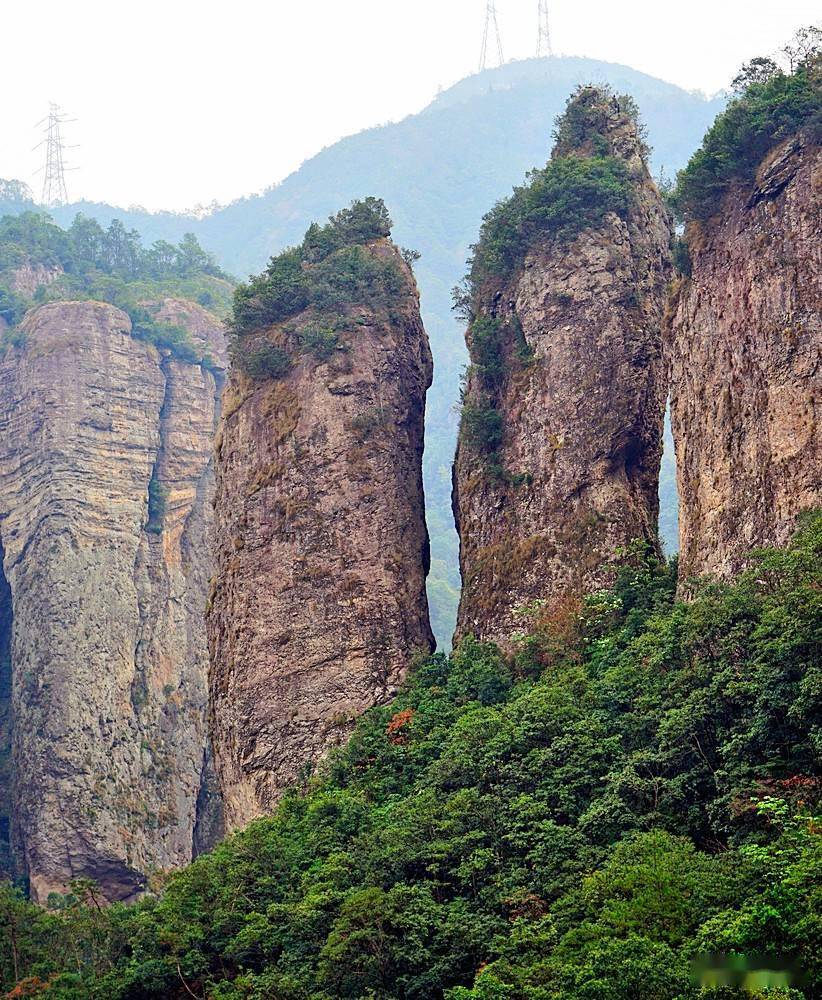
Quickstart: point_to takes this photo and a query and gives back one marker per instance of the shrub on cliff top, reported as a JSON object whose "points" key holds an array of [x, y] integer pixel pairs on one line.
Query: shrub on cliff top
{"points": [[570, 194], [773, 106], [580, 184], [589, 115], [328, 270], [264, 361], [111, 265]]}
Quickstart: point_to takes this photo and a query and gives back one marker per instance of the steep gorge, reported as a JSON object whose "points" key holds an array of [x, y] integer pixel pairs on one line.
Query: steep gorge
{"points": [[106, 481], [322, 549], [557, 465]]}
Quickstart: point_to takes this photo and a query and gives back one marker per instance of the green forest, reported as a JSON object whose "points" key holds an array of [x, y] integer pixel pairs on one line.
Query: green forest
{"points": [[632, 793], [86, 261]]}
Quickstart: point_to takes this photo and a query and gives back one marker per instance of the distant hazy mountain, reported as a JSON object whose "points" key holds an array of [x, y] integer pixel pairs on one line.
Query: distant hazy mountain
{"points": [[439, 171]]}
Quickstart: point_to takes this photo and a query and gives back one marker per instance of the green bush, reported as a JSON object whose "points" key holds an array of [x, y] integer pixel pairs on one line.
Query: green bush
{"points": [[157, 497], [764, 115], [567, 196], [481, 427], [320, 342], [12, 307], [264, 361], [329, 270], [353, 276], [582, 182], [486, 351], [281, 291], [681, 256], [588, 116], [144, 326]]}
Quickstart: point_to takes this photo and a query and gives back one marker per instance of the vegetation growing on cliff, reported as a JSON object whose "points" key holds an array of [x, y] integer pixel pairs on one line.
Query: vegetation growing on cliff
{"points": [[635, 788], [771, 106], [582, 183], [109, 265], [329, 271]]}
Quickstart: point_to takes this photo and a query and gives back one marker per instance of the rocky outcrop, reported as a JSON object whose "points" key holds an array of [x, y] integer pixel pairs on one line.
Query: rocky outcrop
{"points": [[106, 486], [27, 277], [745, 344], [558, 461], [322, 550]]}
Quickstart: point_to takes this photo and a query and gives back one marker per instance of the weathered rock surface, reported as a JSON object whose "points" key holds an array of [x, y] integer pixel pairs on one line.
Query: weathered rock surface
{"points": [[746, 375], [106, 486], [31, 275], [322, 548], [581, 399]]}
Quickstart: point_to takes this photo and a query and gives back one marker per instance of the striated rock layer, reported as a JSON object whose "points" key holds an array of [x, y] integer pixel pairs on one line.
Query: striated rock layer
{"points": [[746, 346], [106, 484], [577, 391], [322, 549]]}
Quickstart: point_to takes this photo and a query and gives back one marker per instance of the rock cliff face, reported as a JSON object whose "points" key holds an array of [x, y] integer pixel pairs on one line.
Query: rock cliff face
{"points": [[106, 485], [746, 347], [558, 461], [322, 549], [28, 277]]}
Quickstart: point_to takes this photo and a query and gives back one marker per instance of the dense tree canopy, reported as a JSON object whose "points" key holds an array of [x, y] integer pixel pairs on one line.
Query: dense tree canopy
{"points": [[330, 271], [633, 789]]}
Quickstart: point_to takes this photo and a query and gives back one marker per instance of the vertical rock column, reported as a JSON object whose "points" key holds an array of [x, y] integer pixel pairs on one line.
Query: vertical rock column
{"points": [[746, 372], [107, 579], [558, 460], [322, 551]]}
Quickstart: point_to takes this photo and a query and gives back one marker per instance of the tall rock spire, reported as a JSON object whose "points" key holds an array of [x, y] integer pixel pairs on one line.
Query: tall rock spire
{"points": [[322, 551], [106, 482], [560, 443]]}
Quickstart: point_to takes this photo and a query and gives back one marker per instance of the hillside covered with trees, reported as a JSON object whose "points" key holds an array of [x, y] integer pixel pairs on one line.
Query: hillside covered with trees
{"points": [[41, 262], [625, 805], [633, 790]]}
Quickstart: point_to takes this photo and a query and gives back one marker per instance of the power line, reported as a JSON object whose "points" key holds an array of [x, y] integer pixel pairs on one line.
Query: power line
{"points": [[491, 26], [54, 172], [544, 47]]}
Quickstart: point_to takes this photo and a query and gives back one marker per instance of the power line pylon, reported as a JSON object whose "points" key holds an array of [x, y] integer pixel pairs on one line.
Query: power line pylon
{"points": [[54, 172], [544, 47], [491, 25]]}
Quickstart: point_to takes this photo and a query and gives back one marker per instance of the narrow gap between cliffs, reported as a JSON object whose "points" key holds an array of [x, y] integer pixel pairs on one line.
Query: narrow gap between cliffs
{"points": [[668, 493]]}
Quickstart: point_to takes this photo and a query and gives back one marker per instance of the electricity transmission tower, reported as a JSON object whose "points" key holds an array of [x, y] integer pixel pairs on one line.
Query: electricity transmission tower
{"points": [[54, 171], [491, 26], [544, 37]]}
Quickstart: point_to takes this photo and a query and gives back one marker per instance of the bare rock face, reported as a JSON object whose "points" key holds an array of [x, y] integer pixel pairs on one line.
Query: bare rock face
{"points": [[322, 550], [746, 347], [106, 485], [28, 277], [558, 460]]}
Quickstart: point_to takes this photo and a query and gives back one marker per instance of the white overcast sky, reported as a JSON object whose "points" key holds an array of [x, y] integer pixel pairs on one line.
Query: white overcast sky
{"points": [[180, 102]]}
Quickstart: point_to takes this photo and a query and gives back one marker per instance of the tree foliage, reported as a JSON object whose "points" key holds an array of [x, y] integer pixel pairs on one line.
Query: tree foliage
{"points": [[109, 265], [329, 270], [581, 183], [770, 106], [633, 789]]}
